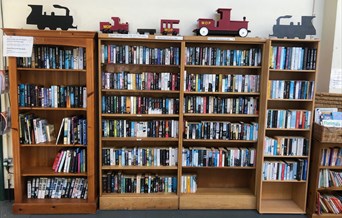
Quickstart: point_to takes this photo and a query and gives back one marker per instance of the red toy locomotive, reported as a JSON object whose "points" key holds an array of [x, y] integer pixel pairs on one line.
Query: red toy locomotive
{"points": [[106, 27], [224, 26]]}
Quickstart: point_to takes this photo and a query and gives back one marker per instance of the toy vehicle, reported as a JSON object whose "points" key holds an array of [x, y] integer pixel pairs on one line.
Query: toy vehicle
{"points": [[166, 27], [291, 31], [106, 27], [51, 21], [224, 26], [149, 31]]}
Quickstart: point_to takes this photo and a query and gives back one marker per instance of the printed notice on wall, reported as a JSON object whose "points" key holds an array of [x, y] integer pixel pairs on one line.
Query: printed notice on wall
{"points": [[17, 46]]}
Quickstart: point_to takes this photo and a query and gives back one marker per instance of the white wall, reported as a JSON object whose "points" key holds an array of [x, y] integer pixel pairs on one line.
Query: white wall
{"points": [[262, 14], [335, 85]]}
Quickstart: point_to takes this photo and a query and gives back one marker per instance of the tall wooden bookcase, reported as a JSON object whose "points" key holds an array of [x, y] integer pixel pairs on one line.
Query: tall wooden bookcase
{"points": [[232, 66], [132, 75], [281, 189], [36, 160], [322, 160]]}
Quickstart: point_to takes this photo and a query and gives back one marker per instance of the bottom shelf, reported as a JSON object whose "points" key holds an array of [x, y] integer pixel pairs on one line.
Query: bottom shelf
{"points": [[219, 198], [138, 201], [326, 215], [55, 206], [280, 206]]}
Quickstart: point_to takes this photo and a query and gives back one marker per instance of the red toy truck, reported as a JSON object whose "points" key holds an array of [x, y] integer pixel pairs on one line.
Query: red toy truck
{"points": [[224, 26], [106, 27], [166, 27]]}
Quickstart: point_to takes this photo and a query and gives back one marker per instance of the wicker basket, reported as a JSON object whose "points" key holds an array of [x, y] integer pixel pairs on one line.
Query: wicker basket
{"points": [[327, 134]]}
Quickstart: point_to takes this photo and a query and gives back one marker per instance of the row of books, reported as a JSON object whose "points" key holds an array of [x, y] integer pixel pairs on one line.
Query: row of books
{"points": [[34, 130], [71, 160], [57, 187], [54, 57], [221, 130], [285, 170], [117, 182], [286, 146], [125, 80], [293, 58], [288, 119], [331, 157], [30, 95], [139, 105], [329, 203], [128, 128], [218, 157], [329, 178], [290, 89], [73, 130], [223, 57], [221, 83], [189, 183], [139, 156], [219, 105], [128, 54]]}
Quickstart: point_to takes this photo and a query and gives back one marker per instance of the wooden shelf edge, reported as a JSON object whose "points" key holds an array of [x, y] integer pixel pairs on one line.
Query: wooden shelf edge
{"points": [[56, 207]]}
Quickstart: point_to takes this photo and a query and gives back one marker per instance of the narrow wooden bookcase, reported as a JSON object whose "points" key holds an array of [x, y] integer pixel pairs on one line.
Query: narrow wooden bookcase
{"points": [[281, 189], [134, 72], [324, 155], [221, 76], [36, 160]]}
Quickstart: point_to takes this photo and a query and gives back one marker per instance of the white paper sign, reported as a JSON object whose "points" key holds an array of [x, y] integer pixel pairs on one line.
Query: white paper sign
{"points": [[17, 46], [169, 37], [128, 36]]}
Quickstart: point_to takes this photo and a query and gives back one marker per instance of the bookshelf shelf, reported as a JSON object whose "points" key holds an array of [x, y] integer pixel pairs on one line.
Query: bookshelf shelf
{"points": [[287, 73], [280, 206], [143, 116], [217, 198], [51, 109], [43, 70], [223, 93], [330, 189], [137, 139], [143, 168], [142, 92], [217, 141], [53, 145], [221, 168], [47, 171], [222, 67], [220, 115], [331, 167], [284, 156], [33, 162]]}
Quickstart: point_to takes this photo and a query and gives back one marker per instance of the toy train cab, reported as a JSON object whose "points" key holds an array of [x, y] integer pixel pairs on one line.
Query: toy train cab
{"points": [[224, 26], [166, 27]]}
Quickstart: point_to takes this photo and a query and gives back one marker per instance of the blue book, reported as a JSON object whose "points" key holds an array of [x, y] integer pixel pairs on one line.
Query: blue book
{"points": [[336, 115]]}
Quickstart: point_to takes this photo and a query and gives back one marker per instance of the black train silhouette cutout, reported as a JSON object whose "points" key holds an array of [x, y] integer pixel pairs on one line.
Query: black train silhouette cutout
{"points": [[291, 31], [51, 21]]}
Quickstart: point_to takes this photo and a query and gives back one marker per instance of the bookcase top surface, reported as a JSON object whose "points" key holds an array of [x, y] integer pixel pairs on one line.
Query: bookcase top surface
{"points": [[49, 33]]}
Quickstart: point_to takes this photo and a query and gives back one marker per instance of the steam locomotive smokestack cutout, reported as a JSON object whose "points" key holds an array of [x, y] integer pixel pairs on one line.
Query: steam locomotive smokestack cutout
{"points": [[291, 30], [50, 21]]}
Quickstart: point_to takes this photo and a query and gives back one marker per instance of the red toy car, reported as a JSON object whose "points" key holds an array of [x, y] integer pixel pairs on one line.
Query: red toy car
{"points": [[106, 27], [166, 27], [224, 26]]}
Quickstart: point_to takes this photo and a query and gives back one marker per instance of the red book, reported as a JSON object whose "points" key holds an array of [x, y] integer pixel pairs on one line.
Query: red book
{"points": [[55, 162]]}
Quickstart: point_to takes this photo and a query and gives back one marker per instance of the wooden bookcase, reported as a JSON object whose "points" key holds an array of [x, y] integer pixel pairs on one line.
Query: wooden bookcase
{"points": [[141, 78], [227, 186], [36, 160], [277, 192], [315, 169]]}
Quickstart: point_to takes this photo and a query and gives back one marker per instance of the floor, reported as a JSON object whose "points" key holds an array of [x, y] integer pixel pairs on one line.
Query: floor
{"points": [[6, 212]]}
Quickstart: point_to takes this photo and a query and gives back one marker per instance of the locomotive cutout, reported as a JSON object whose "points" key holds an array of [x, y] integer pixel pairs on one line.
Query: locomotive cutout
{"points": [[50, 21], [291, 31], [106, 27], [224, 26]]}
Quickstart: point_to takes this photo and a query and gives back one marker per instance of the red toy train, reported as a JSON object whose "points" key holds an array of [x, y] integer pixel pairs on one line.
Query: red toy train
{"points": [[106, 27], [224, 26]]}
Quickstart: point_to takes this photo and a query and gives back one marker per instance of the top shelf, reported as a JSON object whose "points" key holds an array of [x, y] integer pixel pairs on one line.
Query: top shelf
{"points": [[223, 67], [50, 70]]}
